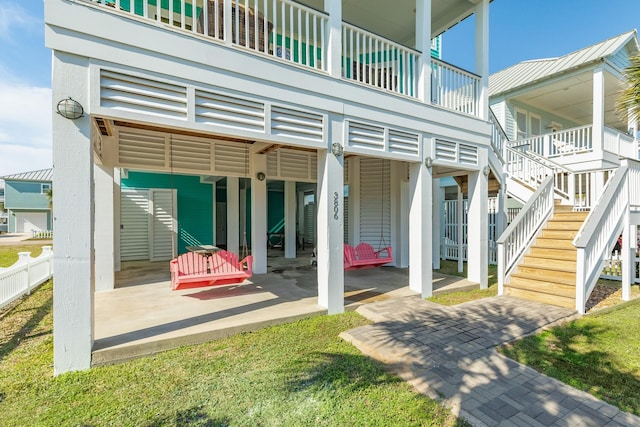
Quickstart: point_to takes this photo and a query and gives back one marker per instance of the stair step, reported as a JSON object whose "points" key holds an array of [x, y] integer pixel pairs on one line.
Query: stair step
{"points": [[559, 234], [545, 287], [570, 216], [540, 297], [550, 264], [544, 242], [567, 254], [546, 274], [554, 224]]}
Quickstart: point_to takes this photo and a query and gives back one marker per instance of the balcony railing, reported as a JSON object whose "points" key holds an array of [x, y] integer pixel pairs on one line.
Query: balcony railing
{"points": [[288, 31]]}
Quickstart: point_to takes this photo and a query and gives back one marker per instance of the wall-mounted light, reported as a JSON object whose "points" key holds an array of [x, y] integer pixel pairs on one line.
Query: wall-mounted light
{"points": [[486, 170], [261, 176], [70, 109], [337, 149], [428, 162]]}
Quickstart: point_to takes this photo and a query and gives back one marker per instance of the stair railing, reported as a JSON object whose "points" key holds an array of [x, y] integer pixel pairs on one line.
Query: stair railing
{"points": [[520, 234], [499, 137], [599, 232]]}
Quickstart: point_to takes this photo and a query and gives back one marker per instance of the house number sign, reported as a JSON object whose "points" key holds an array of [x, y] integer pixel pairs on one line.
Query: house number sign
{"points": [[336, 208]]}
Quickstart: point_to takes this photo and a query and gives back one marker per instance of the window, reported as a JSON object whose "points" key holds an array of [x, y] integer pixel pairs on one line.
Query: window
{"points": [[535, 125], [521, 124], [44, 188]]}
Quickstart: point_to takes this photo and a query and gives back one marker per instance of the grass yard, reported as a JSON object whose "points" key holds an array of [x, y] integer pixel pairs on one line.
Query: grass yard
{"points": [[599, 353], [9, 254], [300, 374], [451, 268]]}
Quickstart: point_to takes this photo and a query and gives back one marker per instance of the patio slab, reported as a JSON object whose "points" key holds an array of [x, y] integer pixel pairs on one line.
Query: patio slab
{"points": [[143, 315]]}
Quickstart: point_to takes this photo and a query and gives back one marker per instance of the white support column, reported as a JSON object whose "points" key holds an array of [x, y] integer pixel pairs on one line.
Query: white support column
{"points": [[460, 229], [501, 216], [354, 201], [628, 253], [73, 261], [482, 56], [233, 214], [331, 225], [420, 229], [403, 255], [259, 215], [423, 44], [301, 213], [598, 109], [478, 228], [437, 206], [104, 242], [334, 37], [214, 216], [116, 217], [290, 219]]}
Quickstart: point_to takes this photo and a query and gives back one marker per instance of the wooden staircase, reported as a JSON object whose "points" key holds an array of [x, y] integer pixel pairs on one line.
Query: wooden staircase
{"points": [[548, 271]]}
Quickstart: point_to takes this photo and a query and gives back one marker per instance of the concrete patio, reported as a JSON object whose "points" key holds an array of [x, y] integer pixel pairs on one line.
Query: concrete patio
{"points": [[143, 315]]}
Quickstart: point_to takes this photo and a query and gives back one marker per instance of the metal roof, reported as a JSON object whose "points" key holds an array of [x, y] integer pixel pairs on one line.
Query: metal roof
{"points": [[528, 72], [39, 175]]}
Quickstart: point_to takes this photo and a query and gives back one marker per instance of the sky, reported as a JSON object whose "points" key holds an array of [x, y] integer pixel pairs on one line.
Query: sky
{"points": [[519, 30]]}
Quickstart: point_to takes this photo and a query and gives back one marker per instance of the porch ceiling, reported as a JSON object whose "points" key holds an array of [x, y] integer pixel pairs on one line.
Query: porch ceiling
{"points": [[572, 99], [395, 20]]}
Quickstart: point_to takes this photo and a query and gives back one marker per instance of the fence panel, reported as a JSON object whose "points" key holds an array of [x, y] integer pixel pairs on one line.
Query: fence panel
{"points": [[25, 275]]}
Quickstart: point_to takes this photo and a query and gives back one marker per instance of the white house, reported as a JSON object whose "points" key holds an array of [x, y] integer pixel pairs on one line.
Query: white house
{"points": [[330, 95]]}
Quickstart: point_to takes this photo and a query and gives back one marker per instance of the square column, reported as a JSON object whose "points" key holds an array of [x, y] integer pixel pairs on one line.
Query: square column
{"points": [[423, 44], [233, 214], [104, 243], [73, 219], [330, 241], [290, 219], [420, 230], [482, 57], [259, 215], [460, 228], [478, 228], [598, 108], [435, 251], [116, 216]]}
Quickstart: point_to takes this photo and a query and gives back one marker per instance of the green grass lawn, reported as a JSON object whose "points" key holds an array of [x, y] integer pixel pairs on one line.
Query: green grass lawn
{"points": [[599, 353], [299, 374], [451, 268], [9, 254]]}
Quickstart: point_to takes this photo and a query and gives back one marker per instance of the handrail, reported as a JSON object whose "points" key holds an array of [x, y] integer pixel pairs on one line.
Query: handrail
{"points": [[600, 229], [497, 133], [519, 235]]}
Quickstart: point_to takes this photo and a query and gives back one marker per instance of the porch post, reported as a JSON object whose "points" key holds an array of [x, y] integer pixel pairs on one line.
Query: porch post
{"points": [[116, 217], [105, 233], [423, 44], [598, 108], [73, 219], [233, 214], [334, 37], [460, 228], [259, 215], [628, 253], [437, 206], [403, 253], [482, 57], [214, 215], [331, 225], [477, 226], [290, 219], [501, 215], [420, 230]]}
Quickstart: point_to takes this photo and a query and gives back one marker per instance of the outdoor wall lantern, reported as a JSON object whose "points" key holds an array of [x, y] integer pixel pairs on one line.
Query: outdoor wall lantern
{"points": [[486, 170], [70, 109], [428, 162], [261, 176], [337, 149]]}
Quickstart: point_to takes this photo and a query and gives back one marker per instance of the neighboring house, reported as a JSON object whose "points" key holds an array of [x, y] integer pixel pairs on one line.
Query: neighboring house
{"points": [[26, 201], [3, 212], [192, 115]]}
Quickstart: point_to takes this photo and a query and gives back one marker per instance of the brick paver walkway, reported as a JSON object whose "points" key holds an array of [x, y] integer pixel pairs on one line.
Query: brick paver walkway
{"points": [[448, 353]]}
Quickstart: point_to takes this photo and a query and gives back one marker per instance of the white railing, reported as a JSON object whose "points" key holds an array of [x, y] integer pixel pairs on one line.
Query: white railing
{"points": [[562, 143], [531, 170], [376, 61], [520, 234], [596, 236], [619, 143], [25, 275], [612, 269], [499, 137], [45, 234], [283, 29], [634, 182], [454, 88]]}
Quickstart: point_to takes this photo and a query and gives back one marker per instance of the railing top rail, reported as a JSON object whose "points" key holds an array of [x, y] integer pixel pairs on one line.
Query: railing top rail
{"points": [[542, 160], [391, 42], [493, 119], [460, 70], [611, 188], [548, 182], [563, 131]]}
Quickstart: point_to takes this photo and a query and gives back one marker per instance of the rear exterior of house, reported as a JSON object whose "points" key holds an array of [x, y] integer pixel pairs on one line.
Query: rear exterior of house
{"points": [[26, 202], [199, 116]]}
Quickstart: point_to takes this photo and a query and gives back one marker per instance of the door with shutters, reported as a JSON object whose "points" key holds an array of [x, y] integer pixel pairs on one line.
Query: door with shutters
{"points": [[147, 223]]}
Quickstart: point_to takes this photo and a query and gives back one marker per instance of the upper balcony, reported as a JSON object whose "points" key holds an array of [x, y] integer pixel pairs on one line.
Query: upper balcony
{"points": [[383, 56]]}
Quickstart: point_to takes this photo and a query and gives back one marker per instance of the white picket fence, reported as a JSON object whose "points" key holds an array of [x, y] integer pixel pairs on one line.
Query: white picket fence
{"points": [[25, 275]]}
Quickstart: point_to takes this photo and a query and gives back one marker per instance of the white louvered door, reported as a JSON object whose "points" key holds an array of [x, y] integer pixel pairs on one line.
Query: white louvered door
{"points": [[134, 225], [162, 239]]}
